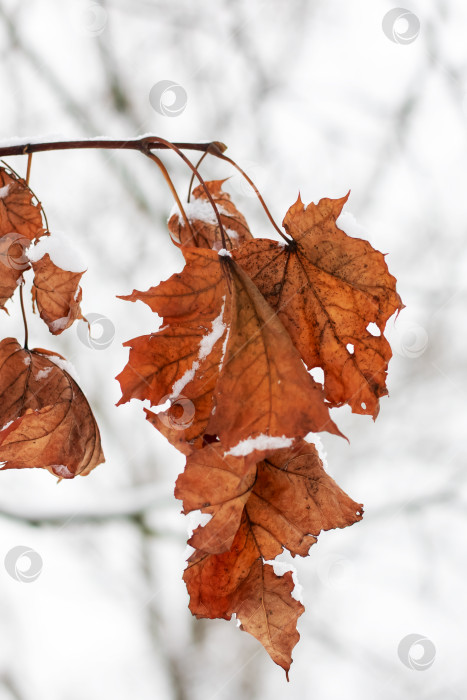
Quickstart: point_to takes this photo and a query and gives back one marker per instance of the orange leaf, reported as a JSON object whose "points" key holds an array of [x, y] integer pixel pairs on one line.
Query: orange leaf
{"points": [[288, 497], [57, 294], [185, 358], [20, 223], [238, 581], [47, 421], [205, 231], [327, 288]]}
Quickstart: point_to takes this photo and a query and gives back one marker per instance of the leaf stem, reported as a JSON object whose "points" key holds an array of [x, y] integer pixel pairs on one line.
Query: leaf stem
{"points": [[193, 175], [24, 316], [257, 192], [169, 181], [145, 148]]}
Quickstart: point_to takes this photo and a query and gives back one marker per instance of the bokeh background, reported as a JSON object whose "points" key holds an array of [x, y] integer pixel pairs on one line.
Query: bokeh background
{"points": [[309, 95]]}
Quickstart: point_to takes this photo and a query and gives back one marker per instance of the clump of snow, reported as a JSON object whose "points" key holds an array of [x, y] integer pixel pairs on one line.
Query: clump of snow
{"points": [[65, 365], [7, 425], [4, 191], [27, 360], [206, 345], [280, 568], [261, 442], [61, 252], [314, 439], [198, 210], [350, 348], [181, 383], [217, 330], [225, 253], [349, 225], [60, 323], [43, 373], [62, 471]]}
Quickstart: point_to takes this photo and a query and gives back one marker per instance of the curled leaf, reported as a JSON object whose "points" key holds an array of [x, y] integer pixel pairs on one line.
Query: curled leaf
{"points": [[57, 294], [47, 421]]}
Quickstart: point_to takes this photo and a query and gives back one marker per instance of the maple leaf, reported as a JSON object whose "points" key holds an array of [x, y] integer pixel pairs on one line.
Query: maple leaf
{"points": [[288, 498], [284, 501], [239, 582], [20, 223], [47, 421], [212, 302], [327, 288], [57, 294], [205, 231]]}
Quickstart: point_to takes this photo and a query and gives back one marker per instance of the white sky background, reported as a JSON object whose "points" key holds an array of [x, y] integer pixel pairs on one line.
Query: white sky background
{"points": [[309, 96]]}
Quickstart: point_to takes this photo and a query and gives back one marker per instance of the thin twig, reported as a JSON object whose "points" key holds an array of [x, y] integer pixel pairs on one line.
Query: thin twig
{"points": [[257, 192], [136, 144], [168, 179]]}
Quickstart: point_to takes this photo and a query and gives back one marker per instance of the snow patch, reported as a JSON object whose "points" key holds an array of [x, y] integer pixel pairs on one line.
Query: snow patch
{"points": [[314, 439], [60, 251], [198, 210], [205, 347], [43, 373], [62, 471], [7, 425], [60, 323], [261, 442], [217, 330], [349, 225], [280, 568], [225, 253], [4, 191], [65, 365]]}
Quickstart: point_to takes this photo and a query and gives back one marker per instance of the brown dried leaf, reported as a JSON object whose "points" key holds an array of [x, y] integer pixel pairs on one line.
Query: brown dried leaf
{"points": [[327, 288], [288, 498], [205, 231], [238, 581], [185, 358], [47, 421], [57, 294], [20, 223]]}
